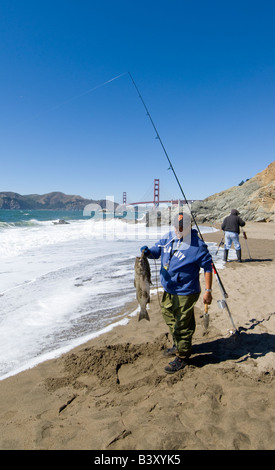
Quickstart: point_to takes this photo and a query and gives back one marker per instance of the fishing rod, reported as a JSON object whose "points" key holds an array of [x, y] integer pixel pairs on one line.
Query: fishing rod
{"points": [[220, 244], [223, 303], [245, 238]]}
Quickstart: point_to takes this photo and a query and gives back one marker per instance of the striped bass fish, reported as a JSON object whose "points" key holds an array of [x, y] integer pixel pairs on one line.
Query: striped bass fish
{"points": [[142, 284]]}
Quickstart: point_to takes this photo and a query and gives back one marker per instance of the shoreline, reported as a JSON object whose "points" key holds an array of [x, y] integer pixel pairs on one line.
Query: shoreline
{"points": [[111, 393], [56, 353]]}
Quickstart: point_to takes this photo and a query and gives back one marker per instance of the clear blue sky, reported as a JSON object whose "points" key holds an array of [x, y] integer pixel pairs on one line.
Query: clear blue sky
{"points": [[205, 69]]}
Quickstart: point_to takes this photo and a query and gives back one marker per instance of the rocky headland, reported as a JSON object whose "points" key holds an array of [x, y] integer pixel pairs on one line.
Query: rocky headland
{"points": [[49, 201], [254, 199]]}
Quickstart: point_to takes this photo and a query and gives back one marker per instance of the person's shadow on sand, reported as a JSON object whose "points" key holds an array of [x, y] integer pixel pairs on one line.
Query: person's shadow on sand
{"points": [[242, 346]]}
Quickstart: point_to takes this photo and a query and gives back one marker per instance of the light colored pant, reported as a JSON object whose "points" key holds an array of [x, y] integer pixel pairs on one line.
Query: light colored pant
{"points": [[232, 237]]}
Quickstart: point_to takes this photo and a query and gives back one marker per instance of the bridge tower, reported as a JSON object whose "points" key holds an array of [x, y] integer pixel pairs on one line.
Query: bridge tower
{"points": [[124, 198], [156, 192]]}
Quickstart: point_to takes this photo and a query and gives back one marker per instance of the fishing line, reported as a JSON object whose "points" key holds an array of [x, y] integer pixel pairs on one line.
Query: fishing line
{"points": [[221, 286], [91, 90], [80, 95]]}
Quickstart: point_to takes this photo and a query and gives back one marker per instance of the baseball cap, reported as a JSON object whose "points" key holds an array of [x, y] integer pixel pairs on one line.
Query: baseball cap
{"points": [[182, 220]]}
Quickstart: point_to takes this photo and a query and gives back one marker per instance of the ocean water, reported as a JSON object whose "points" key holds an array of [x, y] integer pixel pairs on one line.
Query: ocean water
{"points": [[63, 284]]}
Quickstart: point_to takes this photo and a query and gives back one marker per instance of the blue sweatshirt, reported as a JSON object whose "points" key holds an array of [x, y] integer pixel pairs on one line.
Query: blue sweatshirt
{"points": [[181, 263]]}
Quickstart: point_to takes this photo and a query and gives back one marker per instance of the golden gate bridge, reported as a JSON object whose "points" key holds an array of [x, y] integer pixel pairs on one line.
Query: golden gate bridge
{"points": [[156, 198]]}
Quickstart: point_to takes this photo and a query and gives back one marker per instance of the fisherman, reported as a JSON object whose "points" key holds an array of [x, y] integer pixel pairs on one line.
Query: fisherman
{"points": [[182, 254], [231, 227]]}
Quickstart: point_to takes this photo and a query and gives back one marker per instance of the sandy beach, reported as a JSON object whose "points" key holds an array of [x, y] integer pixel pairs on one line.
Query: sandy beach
{"points": [[113, 394]]}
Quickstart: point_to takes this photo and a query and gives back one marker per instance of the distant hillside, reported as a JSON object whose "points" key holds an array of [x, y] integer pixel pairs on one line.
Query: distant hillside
{"points": [[54, 201], [254, 199]]}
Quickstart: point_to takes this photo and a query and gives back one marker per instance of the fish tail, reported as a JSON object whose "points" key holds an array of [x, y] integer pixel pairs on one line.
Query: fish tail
{"points": [[143, 314]]}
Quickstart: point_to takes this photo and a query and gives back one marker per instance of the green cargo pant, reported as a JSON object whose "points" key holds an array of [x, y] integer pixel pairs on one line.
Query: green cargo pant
{"points": [[178, 314]]}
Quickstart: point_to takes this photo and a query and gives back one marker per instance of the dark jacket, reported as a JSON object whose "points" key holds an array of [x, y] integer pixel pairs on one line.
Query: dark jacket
{"points": [[232, 223]]}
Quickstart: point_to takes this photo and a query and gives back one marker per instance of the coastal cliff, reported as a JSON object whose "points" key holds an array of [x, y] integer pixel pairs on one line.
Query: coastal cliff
{"points": [[254, 199], [53, 200]]}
